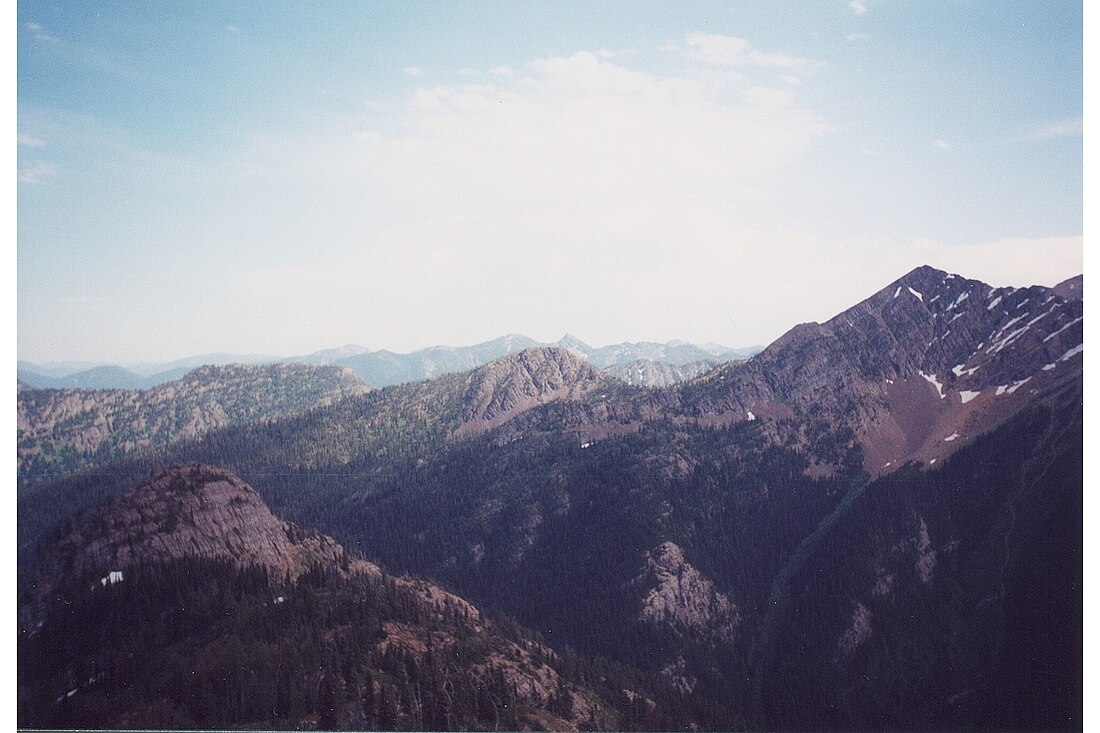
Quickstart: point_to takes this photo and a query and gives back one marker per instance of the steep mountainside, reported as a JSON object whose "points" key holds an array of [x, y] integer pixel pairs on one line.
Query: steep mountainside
{"points": [[63, 430], [677, 529], [186, 603], [928, 362]]}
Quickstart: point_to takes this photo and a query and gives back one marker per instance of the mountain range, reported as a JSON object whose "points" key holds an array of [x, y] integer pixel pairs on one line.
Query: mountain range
{"points": [[377, 368], [867, 525]]}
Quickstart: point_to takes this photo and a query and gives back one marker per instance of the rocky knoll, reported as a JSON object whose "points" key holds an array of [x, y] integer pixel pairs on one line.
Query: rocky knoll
{"points": [[186, 510], [514, 384], [62, 430]]}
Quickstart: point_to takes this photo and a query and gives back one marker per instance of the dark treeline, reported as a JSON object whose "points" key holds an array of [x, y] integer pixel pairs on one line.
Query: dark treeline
{"points": [[199, 643]]}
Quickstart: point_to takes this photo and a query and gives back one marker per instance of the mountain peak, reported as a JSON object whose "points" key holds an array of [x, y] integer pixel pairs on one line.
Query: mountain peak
{"points": [[188, 509], [574, 344], [525, 379]]}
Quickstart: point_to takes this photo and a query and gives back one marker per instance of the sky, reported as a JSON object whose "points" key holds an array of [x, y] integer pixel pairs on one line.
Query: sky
{"points": [[279, 178]]}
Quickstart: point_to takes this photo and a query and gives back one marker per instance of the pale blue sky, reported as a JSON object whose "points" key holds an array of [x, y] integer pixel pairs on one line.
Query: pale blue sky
{"points": [[284, 177]]}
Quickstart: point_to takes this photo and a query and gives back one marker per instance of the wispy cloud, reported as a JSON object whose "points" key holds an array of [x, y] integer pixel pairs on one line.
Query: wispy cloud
{"points": [[604, 53], [713, 48], [1058, 129], [32, 26], [941, 144], [503, 71], [30, 141], [37, 171], [852, 37], [413, 71], [857, 6], [232, 29]]}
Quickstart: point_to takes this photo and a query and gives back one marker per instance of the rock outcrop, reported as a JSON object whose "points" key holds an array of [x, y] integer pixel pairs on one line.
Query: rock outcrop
{"points": [[680, 598]]}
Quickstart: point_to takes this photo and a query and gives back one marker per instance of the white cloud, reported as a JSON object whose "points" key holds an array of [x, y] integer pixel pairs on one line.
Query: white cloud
{"points": [[413, 71], [468, 71], [522, 199], [504, 71], [1058, 129], [941, 144], [232, 29], [712, 48], [30, 141], [794, 81], [858, 7], [32, 26], [37, 171], [604, 53]]}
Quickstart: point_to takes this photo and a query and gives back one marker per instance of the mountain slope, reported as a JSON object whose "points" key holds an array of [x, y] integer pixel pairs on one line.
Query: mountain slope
{"points": [[63, 430], [230, 616]]}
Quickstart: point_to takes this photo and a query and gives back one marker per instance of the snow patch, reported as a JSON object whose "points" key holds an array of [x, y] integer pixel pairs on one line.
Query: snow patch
{"points": [[749, 415], [115, 576], [914, 292], [1001, 389], [968, 395], [1016, 385], [993, 305], [585, 445], [949, 438], [996, 348], [1063, 328], [931, 378], [1072, 352]]}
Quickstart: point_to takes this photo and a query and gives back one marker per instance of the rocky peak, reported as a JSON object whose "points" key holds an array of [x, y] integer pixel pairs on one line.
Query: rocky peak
{"points": [[910, 370], [518, 382], [185, 510]]}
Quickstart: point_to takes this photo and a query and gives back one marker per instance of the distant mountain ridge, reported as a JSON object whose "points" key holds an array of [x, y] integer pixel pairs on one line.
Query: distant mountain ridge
{"points": [[379, 368], [61, 430]]}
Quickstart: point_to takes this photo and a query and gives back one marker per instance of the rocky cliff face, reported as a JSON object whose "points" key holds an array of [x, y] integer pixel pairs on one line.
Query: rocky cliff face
{"points": [[680, 598], [186, 510]]}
